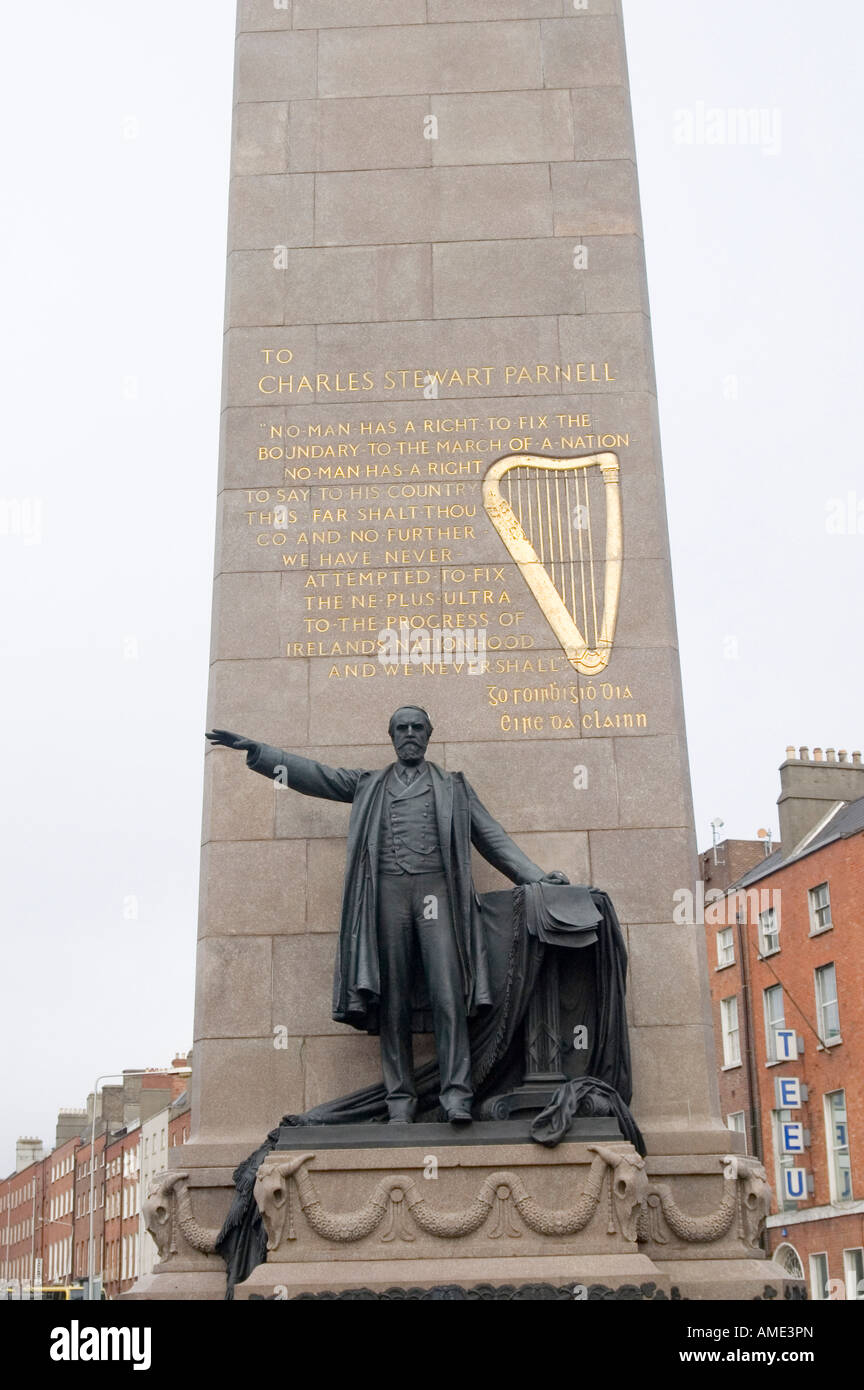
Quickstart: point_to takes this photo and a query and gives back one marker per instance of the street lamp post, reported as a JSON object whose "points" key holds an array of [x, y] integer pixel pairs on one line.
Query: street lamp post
{"points": [[113, 1076]]}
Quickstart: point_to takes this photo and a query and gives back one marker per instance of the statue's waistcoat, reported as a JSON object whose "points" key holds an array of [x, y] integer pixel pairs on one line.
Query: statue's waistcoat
{"points": [[410, 842]]}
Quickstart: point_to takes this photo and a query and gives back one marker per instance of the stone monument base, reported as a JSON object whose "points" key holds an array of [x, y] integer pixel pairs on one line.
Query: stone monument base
{"points": [[446, 1212], [757, 1278], [606, 1276], [360, 1211], [179, 1286]]}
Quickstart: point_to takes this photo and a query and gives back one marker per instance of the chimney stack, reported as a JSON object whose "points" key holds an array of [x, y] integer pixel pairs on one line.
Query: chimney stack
{"points": [[28, 1151], [810, 787], [71, 1124]]}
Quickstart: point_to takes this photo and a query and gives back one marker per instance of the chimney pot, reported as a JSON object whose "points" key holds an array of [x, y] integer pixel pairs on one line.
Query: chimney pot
{"points": [[842, 755], [809, 787], [790, 753]]}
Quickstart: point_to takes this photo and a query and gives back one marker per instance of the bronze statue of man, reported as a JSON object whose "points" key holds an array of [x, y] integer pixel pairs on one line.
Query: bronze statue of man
{"points": [[408, 897]]}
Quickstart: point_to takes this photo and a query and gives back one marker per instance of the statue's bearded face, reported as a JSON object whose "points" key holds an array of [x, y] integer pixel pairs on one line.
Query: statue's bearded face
{"points": [[410, 731]]}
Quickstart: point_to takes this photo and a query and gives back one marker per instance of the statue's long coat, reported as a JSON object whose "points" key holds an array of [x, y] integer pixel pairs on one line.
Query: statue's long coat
{"points": [[462, 821]]}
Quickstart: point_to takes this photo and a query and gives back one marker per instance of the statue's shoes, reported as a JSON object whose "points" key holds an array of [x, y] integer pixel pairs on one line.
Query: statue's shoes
{"points": [[460, 1117]]}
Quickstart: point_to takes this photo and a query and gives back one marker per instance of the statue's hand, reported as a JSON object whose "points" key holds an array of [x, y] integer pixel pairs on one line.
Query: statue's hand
{"points": [[555, 877], [223, 738]]}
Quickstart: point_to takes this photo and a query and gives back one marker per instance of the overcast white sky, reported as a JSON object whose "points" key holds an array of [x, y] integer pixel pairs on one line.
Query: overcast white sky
{"points": [[115, 120]]}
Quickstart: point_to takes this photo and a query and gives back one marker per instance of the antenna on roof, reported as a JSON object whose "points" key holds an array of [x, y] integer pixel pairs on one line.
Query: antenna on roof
{"points": [[767, 840]]}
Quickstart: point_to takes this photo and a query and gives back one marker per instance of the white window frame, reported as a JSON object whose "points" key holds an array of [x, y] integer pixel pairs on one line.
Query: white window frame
{"points": [[819, 1290], [833, 1149], [770, 917], [773, 1025], [853, 1272], [816, 907], [731, 1035], [738, 1128], [725, 949], [823, 1003]]}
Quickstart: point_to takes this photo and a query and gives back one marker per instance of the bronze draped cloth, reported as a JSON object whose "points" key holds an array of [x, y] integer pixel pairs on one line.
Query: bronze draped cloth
{"points": [[517, 932]]}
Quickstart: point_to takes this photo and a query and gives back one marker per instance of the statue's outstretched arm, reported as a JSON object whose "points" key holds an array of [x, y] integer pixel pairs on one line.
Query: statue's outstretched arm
{"points": [[290, 770]]}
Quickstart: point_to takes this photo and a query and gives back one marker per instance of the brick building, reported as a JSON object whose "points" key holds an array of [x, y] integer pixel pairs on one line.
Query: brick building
{"points": [[58, 1215], [180, 1119], [89, 1176], [45, 1204], [786, 959], [126, 1112], [162, 1132], [21, 1199], [730, 860], [122, 1207]]}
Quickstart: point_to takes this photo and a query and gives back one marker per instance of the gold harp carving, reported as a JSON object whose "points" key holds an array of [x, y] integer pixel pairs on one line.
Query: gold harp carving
{"points": [[542, 510]]}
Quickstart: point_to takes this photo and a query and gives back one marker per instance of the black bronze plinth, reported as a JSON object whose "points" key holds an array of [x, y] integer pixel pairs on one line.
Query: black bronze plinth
{"points": [[591, 1130]]}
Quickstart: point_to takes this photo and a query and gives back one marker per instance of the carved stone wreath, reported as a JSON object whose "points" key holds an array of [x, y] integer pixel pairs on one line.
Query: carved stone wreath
{"points": [[398, 1205], [637, 1209], [744, 1208]]}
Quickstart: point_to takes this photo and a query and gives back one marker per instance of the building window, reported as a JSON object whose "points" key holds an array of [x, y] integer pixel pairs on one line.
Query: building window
{"points": [[775, 1021], [731, 1035], [853, 1269], [737, 1122], [725, 947], [827, 1011], [820, 909], [769, 932], [819, 1276], [837, 1138]]}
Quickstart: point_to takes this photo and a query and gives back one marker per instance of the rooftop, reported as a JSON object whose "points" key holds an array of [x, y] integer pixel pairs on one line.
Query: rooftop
{"points": [[843, 820]]}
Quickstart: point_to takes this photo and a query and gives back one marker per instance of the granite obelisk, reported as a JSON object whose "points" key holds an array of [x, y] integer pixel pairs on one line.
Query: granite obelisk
{"points": [[436, 264]]}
